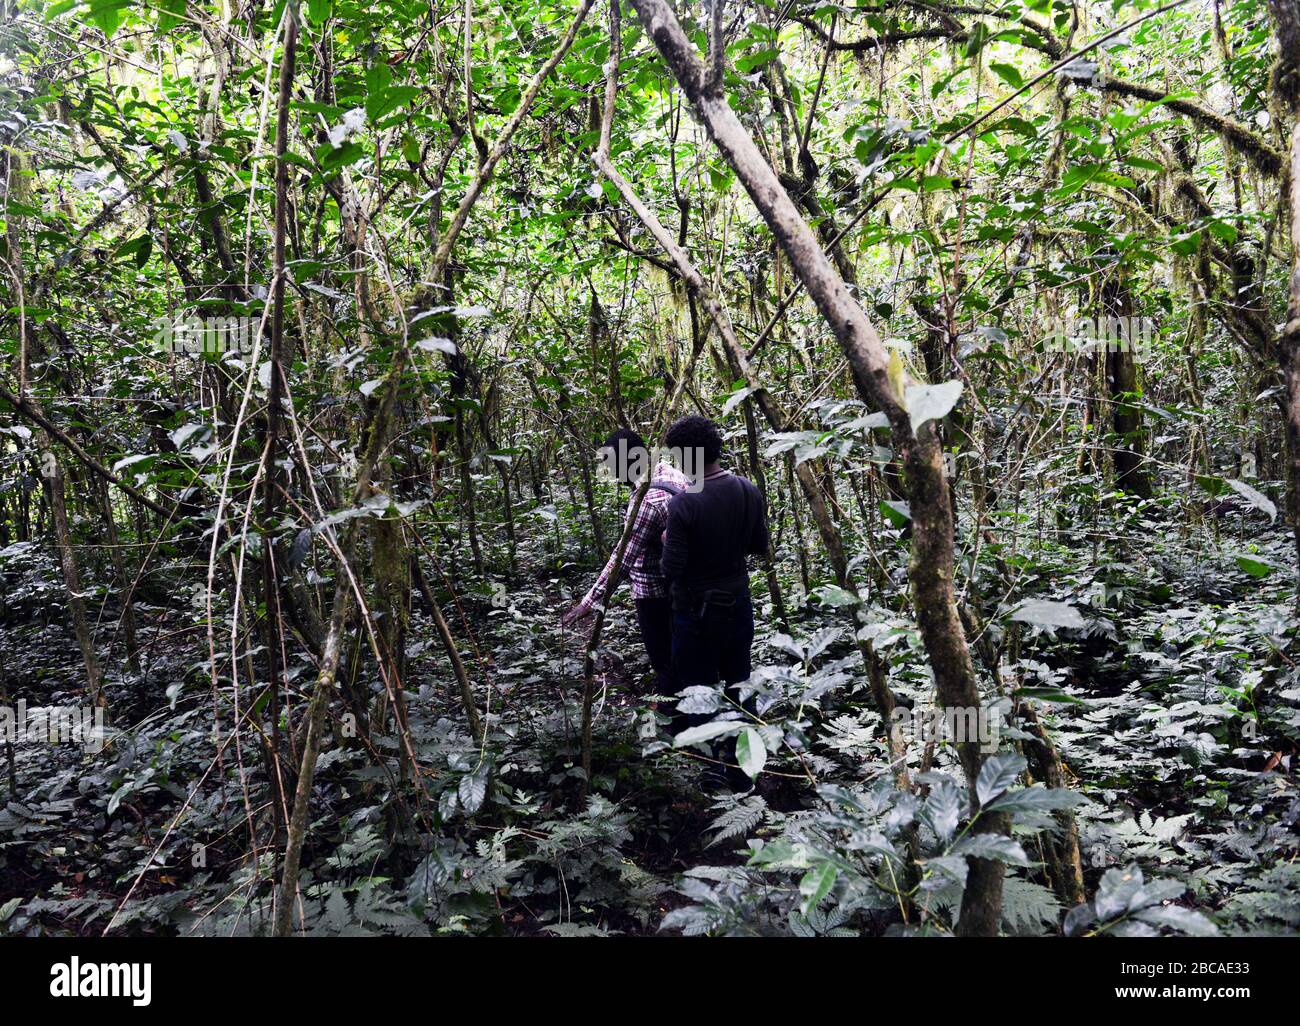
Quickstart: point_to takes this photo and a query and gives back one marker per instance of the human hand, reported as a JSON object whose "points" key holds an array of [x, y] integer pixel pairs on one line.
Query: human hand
{"points": [[573, 614]]}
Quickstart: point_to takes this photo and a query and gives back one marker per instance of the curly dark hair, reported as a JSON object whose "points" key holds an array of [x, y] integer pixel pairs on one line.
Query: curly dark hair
{"points": [[696, 432], [622, 445]]}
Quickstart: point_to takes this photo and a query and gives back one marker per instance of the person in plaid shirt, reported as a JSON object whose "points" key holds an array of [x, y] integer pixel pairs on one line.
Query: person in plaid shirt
{"points": [[625, 452]]}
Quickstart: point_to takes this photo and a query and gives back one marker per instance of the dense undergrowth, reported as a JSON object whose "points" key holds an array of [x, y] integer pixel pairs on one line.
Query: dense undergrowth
{"points": [[1173, 706]]}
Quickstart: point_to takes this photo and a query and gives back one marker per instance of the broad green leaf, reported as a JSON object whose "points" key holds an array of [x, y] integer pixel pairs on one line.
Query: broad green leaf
{"points": [[1048, 694], [1036, 798], [1257, 499], [1009, 74], [834, 595], [931, 402], [1045, 613], [753, 61], [106, 14], [735, 399], [978, 36], [816, 884], [997, 774], [751, 753], [1214, 485], [942, 809], [1184, 920], [472, 790], [897, 513], [706, 732], [170, 14], [1117, 890], [437, 344], [319, 11], [1254, 567], [991, 846]]}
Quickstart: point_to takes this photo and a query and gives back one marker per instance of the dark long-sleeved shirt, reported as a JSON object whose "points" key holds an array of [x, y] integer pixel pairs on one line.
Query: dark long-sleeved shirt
{"points": [[710, 532]]}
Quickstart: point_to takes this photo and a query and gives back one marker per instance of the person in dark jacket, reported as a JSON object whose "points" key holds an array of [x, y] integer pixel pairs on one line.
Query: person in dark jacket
{"points": [[711, 532]]}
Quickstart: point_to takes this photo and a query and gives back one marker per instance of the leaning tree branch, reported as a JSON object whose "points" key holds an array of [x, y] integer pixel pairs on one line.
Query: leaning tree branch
{"points": [[1266, 158]]}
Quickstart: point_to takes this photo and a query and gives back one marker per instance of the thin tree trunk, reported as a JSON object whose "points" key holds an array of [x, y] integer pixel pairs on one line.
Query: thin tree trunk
{"points": [[391, 565], [1065, 865], [470, 508], [124, 582], [800, 547], [52, 474], [11, 770], [1122, 385], [449, 646], [760, 479], [273, 626], [1286, 82]]}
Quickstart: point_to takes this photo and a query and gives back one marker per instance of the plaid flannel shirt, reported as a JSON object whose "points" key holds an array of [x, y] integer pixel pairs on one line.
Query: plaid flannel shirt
{"points": [[651, 521]]}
